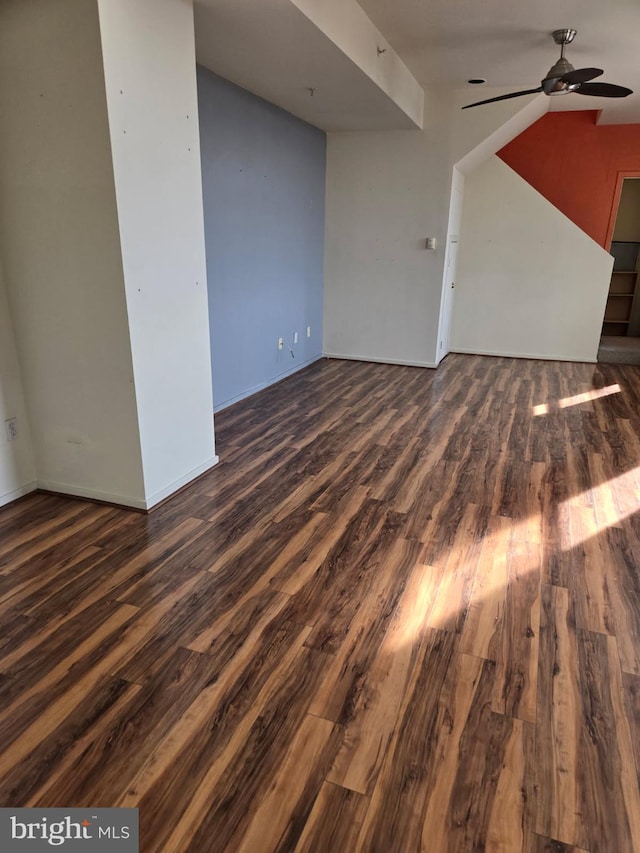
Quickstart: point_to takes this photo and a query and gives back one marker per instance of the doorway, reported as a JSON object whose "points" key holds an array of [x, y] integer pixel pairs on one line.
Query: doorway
{"points": [[620, 340]]}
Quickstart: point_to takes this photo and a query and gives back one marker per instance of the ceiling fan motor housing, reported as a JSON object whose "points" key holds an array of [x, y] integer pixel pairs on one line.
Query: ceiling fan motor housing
{"points": [[552, 83]]}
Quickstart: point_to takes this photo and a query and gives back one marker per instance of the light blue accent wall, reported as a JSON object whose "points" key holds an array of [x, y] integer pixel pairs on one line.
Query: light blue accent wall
{"points": [[263, 174]]}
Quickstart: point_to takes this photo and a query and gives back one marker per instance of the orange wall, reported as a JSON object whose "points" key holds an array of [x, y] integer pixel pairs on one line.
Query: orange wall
{"points": [[577, 165]]}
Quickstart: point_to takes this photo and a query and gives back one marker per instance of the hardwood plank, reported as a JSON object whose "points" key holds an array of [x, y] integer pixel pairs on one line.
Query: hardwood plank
{"points": [[631, 687], [243, 559], [603, 494], [109, 700], [113, 574], [20, 531], [230, 793], [335, 821], [556, 526], [175, 626], [430, 502], [86, 523], [29, 590], [240, 624], [394, 820], [357, 469], [511, 817], [483, 626], [298, 570], [212, 729], [623, 549], [374, 712], [15, 630], [559, 811], [590, 580], [607, 769], [324, 599], [332, 622], [516, 681], [101, 769], [279, 820], [482, 791], [28, 716], [451, 601], [31, 509], [338, 694], [515, 475]]}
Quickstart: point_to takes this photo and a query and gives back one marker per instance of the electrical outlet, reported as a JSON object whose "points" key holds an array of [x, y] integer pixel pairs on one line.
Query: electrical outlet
{"points": [[11, 426], [308, 331], [280, 343], [295, 337]]}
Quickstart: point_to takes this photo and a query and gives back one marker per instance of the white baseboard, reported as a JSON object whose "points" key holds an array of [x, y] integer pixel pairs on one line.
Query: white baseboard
{"points": [[14, 494], [538, 356], [91, 494], [167, 491], [126, 500], [266, 384], [377, 360]]}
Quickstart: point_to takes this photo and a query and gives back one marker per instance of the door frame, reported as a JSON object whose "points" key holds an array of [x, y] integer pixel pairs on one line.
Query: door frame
{"points": [[615, 204], [450, 264], [456, 203]]}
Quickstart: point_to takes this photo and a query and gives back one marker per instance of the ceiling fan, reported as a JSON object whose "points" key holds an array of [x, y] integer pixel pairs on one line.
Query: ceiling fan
{"points": [[563, 78]]}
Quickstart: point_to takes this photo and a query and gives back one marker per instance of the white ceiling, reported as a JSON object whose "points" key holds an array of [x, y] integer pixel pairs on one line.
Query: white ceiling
{"points": [[446, 42], [272, 49]]}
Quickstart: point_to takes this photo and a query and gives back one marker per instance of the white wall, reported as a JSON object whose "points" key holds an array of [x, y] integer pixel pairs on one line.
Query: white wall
{"points": [[529, 283], [387, 192], [60, 247], [150, 74], [17, 472]]}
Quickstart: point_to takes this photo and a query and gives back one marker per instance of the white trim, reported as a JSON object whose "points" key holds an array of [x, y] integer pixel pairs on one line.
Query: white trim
{"points": [[125, 500], [91, 494], [167, 491], [9, 497], [376, 360], [537, 356], [266, 384], [453, 236]]}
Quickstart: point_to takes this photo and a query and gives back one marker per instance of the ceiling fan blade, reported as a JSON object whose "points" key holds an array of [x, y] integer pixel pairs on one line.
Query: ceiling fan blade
{"points": [[603, 90], [581, 75], [504, 97]]}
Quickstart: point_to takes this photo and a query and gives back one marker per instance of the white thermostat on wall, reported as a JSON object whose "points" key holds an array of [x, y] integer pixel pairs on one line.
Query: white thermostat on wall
{"points": [[431, 243]]}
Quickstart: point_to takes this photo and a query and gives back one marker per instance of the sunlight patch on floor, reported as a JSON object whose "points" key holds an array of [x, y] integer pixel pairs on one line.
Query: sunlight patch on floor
{"points": [[612, 502], [594, 394], [435, 595], [576, 400]]}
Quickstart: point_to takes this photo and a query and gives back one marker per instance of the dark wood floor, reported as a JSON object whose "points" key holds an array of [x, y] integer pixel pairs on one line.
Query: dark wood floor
{"points": [[402, 614]]}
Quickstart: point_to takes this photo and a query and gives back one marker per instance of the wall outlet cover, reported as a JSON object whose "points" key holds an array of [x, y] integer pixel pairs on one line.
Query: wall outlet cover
{"points": [[11, 427]]}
